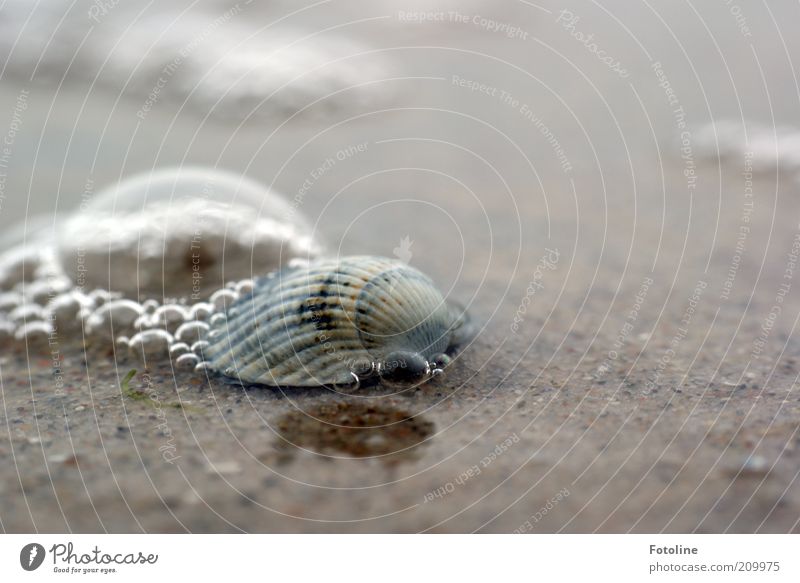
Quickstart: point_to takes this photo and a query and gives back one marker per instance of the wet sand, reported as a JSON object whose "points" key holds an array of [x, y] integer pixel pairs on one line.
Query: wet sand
{"points": [[633, 370]]}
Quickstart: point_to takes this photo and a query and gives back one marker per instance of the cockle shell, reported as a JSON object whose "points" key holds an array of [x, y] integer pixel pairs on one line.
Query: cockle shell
{"points": [[336, 322]]}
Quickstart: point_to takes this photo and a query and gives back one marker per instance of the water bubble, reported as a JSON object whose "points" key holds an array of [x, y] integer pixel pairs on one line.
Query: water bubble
{"points": [[65, 308], [143, 322], [139, 236], [150, 306], [101, 296], [441, 361], [26, 312], [245, 287], [169, 316], [151, 343], [223, 298], [199, 346], [187, 361], [203, 367], [179, 348], [9, 301], [201, 311], [350, 387], [363, 367], [43, 290], [192, 331], [113, 317], [297, 263], [404, 368], [17, 265], [34, 333], [218, 320]]}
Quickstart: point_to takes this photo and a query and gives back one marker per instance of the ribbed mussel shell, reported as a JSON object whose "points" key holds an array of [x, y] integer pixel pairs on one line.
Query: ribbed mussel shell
{"points": [[330, 322]]}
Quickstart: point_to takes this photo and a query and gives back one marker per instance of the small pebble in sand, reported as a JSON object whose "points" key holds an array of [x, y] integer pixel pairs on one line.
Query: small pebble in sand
{"points": [[754, 466]]}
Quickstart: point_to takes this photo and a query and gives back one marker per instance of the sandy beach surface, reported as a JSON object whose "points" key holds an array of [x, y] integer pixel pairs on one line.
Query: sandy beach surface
{"points": [[636, 294]]}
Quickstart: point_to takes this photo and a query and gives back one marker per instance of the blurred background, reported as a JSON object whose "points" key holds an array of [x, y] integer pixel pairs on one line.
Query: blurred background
{"points": [[654, 147]]}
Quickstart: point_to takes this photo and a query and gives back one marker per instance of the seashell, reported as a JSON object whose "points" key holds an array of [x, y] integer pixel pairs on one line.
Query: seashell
{"points": [[337, 322], [178, 231], [199, 346]]}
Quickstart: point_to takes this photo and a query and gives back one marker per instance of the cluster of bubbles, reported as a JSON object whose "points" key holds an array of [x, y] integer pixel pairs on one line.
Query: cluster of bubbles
{"points": [[45, 298], [36, 310], [137, 248]]}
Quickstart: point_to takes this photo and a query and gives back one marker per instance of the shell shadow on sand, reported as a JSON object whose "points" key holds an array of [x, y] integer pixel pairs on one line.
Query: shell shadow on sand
{"points": [[353, 429]]}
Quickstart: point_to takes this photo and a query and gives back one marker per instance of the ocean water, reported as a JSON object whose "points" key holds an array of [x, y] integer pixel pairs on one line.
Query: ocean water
{"points": [[224, 58]]}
